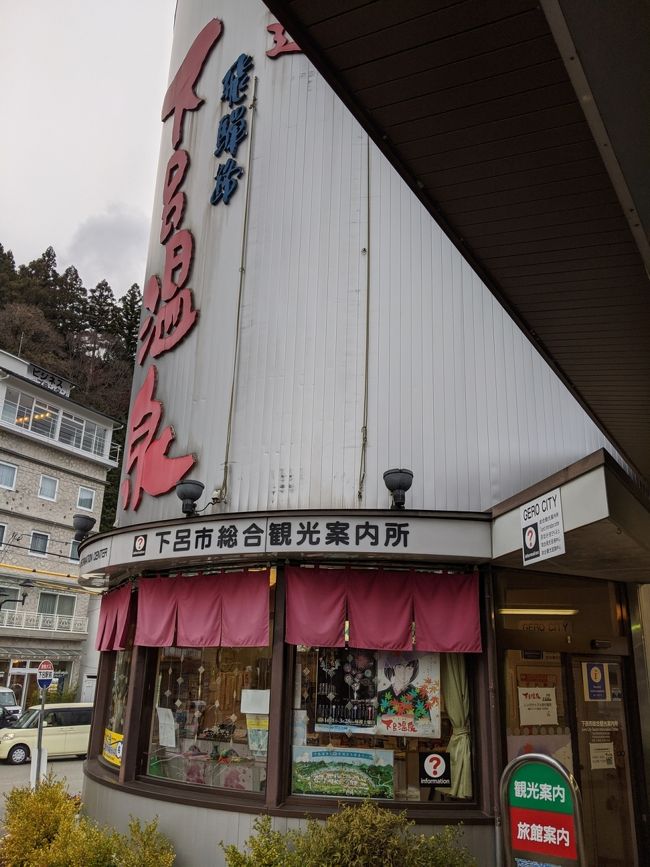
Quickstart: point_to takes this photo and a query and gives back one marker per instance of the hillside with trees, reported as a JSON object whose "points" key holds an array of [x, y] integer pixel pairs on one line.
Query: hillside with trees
{"points": [[84, 335]]}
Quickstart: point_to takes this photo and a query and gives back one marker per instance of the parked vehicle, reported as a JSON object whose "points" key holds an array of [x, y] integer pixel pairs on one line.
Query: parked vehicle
{"points": [[66, 728], [8, 700], [8, 717]]}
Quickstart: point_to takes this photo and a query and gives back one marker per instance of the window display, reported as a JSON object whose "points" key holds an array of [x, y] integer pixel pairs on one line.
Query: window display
{"points": [[366, 723], [210, 720], [114, 726]]}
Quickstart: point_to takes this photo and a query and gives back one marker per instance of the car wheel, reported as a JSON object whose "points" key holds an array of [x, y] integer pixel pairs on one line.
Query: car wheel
{"points": [[18, 755]]}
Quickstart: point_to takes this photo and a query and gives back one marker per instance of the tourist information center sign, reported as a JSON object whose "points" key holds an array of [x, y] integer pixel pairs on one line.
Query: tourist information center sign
{"points": [[542, 814], [542, 528]]}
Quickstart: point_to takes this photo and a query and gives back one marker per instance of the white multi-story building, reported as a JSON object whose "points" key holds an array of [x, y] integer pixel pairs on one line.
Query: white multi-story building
{"points": [[54, 458]]}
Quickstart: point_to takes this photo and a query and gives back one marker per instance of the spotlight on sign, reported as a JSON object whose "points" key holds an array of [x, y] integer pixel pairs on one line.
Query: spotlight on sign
{"points": [[188, 492], [398, 483]]}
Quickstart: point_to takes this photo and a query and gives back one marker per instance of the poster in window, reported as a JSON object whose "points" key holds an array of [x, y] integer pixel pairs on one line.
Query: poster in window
{"points": [[408, 694], [355, 773], [346, 690]]}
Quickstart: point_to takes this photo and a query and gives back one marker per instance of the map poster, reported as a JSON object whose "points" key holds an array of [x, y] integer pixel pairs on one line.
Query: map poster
{"points": [[355, 773], [408, 694]]}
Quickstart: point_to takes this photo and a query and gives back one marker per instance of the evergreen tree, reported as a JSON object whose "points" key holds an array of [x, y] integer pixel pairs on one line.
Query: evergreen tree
{"points": [[68, 311], [7, 275], [36, 283], [128, 322]]}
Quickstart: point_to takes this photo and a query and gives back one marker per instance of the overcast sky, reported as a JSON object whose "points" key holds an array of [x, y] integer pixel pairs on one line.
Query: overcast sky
{"points": [[82, 84]]}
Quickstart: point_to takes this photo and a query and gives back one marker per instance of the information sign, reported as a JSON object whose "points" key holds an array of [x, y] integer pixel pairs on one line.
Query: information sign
{"points": [[435, 769], [45, 674], [542, 813], [542, 529]]}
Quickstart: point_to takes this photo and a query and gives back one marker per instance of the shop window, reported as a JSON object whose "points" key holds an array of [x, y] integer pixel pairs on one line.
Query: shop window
{"points": [[8, 476], [38, 544], [114, 722], [48, 487], [86, 499], [210, 719], [381, 724]]}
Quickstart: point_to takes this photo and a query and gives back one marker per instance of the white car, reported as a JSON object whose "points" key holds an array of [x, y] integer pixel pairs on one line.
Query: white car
{"points": [[66, 729]]}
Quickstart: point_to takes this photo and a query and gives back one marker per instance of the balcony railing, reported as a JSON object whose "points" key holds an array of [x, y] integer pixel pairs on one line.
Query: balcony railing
{"points": [[51, 622]]}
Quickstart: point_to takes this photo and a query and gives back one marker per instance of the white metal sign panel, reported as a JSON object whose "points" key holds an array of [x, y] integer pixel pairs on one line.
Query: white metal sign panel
{"points": [[542, 529], [263, 535]]}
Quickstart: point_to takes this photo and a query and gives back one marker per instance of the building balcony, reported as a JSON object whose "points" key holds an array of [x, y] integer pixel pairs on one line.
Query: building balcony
{"points": [[50, 622]]}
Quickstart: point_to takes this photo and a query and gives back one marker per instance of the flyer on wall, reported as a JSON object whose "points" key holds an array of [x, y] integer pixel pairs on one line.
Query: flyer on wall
{"points": [[409, 694], [356, 773], [346, 697]]}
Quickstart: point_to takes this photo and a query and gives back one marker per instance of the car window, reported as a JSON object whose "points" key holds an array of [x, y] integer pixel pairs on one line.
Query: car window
{"points": [[52, 718], [29, 720], [7, 699]]}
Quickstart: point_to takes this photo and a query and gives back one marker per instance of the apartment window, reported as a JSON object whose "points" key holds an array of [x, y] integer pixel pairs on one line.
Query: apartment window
{"points": [[10, 594], [8, 476], [94, 439], [32, 414], [3, 533], [86, 499], [38, 544], [56, 604], [74, 550], [72, 430], [48, 488]]}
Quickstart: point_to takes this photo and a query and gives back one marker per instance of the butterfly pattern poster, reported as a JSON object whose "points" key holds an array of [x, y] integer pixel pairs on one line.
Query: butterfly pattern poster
{"points": [[408, 694]]}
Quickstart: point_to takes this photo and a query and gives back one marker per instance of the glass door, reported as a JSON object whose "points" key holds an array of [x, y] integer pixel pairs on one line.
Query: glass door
{"points": [[603, 759], [572, 707]]}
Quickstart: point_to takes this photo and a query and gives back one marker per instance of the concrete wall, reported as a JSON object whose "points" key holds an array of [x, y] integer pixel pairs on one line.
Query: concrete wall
{"points": [[197, 832]]}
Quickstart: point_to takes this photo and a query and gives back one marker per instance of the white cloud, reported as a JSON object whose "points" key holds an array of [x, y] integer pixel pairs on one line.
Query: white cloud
{"points": [[111, 246]]}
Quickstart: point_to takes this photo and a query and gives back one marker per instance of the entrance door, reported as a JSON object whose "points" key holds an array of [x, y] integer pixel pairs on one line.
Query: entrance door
{"points": [[573, 708], [603, 760]]}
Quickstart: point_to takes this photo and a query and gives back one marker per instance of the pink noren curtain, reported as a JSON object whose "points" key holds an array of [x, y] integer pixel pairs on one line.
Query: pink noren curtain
{"points": [[316, 607], [114, 619], [447, 616], [229, 610], [380, 610], [381, 605]]}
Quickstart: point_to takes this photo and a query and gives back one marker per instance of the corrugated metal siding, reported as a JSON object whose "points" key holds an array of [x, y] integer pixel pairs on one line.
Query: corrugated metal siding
{"points": [[456, 393]]}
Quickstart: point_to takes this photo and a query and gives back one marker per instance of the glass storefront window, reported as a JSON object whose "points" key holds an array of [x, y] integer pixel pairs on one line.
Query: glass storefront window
{"points": [[381, 724], [114, 724], [210, 720]]}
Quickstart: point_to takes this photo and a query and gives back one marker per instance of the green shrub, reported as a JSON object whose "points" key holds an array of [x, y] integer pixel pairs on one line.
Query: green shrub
{"points": [[45, 829], [357, 836]]}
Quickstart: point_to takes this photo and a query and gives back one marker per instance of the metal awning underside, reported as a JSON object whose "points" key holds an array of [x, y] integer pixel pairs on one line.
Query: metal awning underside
{"points": [[545, 191], [38, 653]]}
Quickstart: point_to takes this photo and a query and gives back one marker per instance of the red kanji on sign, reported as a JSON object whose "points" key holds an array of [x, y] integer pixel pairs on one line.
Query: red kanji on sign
{"points": [[147, 466], [281, 43]]}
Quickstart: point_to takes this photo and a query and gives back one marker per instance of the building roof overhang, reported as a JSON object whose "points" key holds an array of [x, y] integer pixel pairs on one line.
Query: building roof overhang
{"points": [[522, 128], [606, 524]]}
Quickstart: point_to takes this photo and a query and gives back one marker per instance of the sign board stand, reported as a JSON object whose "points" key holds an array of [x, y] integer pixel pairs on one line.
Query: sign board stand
{"points": [[44, 678], [542, 813]]}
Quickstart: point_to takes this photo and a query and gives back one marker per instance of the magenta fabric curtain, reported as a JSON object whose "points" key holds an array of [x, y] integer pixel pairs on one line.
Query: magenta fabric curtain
{"points": [[198, 611], [381, 606], [157, 607], [114, 619], [447, 617], [316, 607], [245, 610], [229, 610], [380, 610]]}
